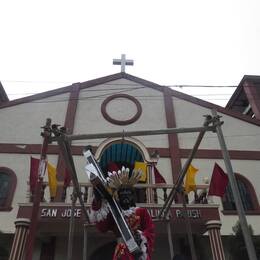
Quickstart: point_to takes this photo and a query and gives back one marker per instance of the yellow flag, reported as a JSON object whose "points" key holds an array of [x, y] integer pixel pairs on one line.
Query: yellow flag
{"points": [[52, 180], [190, 184], [143, 167]]}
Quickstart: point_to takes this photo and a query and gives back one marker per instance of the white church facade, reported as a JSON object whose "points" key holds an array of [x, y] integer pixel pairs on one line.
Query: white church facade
{"points": [[125, 103]]}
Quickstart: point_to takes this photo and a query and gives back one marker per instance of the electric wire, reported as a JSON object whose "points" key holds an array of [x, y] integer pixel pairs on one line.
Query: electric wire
{"points": [[142, 97], [121, 90], [147, 139], [99, 97]]}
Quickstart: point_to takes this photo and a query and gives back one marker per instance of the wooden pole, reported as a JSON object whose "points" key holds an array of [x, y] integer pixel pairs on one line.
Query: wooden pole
{"points": [[176, 188], [136, 133], [72, 226], [188, 228], [68, 159], [169, 232], [234, 187], [85, 241], [37, 195]]}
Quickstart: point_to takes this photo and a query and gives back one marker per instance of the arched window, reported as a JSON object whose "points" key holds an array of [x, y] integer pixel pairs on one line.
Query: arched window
{"points": [[8, 182], [123, 154], [247, 194]]}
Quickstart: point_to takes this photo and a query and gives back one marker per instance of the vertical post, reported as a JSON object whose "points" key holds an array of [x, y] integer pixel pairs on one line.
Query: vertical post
{"points": [[21, 232], [72, 224], [37, 196], [188, 228], [68, 159], [150, 180], [232, 181], [85, 241], [170, 238]]}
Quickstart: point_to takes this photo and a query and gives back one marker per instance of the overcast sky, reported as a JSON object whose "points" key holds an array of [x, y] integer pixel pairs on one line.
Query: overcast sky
{"points": [[49, 44]]}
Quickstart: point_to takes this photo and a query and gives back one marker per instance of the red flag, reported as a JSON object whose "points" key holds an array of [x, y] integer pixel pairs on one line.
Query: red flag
{"points": [[67, 178], [158, 177], [219, 182], [34, 173]]}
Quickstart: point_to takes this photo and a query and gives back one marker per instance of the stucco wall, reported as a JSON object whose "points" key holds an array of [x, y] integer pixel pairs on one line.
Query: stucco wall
{"points": [[20, 165], [244, 168], [22, 123], [239, 135], [89, 118]]}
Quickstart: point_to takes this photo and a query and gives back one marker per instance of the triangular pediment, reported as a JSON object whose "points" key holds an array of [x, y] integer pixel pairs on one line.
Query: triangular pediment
{"points": [[146, 83]]}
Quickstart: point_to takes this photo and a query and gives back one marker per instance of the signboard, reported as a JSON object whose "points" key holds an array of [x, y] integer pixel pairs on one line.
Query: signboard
{"points": [[63, 213], [191, 213], [59, 213]]}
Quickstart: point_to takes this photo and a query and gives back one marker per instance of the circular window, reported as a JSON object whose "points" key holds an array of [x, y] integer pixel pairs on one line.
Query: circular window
{"points": [[121, 109]]}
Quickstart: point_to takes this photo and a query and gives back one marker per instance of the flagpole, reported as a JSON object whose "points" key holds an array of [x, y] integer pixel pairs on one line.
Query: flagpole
{"points": [[240, 210], [37, 193]]}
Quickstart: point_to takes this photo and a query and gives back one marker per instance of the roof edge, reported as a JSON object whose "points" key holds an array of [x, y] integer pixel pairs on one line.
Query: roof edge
{"points": [[246, 78], [36, 96], [144, 82], [3, 96], [197, 101], [61, 90]]}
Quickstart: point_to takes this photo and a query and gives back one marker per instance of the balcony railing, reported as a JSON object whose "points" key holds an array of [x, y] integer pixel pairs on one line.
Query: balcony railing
{"points": [[145, 193]]}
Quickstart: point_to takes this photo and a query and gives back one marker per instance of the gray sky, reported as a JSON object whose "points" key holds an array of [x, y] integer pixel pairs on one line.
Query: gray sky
{"points": [[50, 44]]}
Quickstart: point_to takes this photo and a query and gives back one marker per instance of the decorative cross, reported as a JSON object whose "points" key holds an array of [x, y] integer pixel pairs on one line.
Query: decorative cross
{"points": [[123, 62]]}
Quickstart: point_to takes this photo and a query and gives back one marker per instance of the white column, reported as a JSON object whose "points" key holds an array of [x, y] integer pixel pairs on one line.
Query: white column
{"points": [[213, 228], [20, 237]]}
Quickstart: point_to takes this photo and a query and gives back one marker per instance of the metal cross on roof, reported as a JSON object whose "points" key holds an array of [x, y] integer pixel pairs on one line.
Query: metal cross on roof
{"points": [[123, 62]]}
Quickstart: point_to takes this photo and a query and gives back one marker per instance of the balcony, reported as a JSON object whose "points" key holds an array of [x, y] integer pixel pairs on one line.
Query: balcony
{"points": [[54, 214], [145, 193]]}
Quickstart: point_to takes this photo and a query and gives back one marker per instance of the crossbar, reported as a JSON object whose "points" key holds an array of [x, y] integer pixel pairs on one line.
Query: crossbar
{"points": [[136, 133]]}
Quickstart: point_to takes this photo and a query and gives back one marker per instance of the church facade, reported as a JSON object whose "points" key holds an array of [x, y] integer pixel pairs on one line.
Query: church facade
{"points": [[122, 103]]}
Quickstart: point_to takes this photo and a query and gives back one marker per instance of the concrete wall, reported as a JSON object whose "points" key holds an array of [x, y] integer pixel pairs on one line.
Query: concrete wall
{"points": [[20, 165], [239, 135], [22, 123], [244, 168], [89, 118]]}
